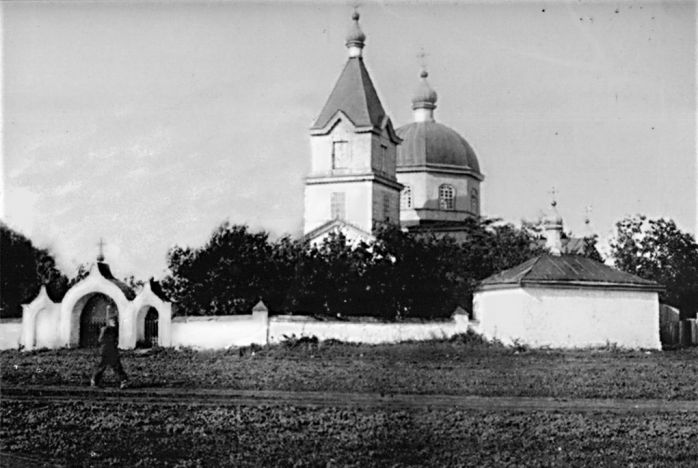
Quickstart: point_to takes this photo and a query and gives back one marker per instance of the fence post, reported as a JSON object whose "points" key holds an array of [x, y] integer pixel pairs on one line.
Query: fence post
{"points": [[260, 312]]}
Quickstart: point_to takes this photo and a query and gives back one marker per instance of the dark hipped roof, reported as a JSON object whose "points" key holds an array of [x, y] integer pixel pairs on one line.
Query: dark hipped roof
{"points": [[355, 95], [567, 270]]}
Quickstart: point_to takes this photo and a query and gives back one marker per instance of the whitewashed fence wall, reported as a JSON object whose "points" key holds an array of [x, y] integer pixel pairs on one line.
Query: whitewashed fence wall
{"points": [[10, 333], [219, 332]]}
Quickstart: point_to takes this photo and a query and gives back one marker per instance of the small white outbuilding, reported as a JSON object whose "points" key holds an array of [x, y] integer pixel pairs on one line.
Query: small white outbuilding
{"points": [[567, 301]]}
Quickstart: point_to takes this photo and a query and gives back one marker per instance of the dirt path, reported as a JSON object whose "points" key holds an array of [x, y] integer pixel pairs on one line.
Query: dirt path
{"points": [[231, 397]]}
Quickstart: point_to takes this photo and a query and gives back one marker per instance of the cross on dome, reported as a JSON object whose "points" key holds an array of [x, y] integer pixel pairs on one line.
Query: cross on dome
{"points": [[424, 99], [355, 37]]}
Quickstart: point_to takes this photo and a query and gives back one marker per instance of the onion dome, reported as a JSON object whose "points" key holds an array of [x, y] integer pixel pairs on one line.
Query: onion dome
{"points": [[424, 96], [433, 144], [553, 230], [553, 218], [429, 144], [355, 37]]}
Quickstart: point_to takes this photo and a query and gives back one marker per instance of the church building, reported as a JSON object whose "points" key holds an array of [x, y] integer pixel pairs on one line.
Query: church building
{"points": [[560, 300], [437, 167], [365, 174]]}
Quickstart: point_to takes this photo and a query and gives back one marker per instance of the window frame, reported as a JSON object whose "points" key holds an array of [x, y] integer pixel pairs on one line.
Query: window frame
{"points": [[345, 159], [406, 197], [447, 197], [338, 206]]}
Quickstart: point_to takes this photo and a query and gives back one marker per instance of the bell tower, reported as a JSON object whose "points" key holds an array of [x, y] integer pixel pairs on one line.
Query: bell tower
{"points": [[353, 152]]}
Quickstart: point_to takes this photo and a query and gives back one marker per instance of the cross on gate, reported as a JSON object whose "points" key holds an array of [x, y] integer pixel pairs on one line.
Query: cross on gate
{"points": [[100, 257]]}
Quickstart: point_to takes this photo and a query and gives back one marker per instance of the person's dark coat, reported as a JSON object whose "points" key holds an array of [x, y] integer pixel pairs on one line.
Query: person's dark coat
{"points": [[108, 338]]}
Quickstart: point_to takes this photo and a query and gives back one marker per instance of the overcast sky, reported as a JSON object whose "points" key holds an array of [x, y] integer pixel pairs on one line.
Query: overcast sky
{"points": [[149, 124]]}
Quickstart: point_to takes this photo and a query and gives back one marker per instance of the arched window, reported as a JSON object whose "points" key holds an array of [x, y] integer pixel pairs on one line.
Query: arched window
{"points": [[406, 198], [447, 197], [474, 201]]}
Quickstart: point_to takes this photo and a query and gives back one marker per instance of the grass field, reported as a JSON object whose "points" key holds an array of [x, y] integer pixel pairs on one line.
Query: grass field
{"points": [[132, 433], [462, 366], [99, 434]]}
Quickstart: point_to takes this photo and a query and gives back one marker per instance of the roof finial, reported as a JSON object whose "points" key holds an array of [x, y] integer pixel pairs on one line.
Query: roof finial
{"points": [[553, 227], [356, 37], [422, 56], [553, 193], [100, 256], [424, 98]]}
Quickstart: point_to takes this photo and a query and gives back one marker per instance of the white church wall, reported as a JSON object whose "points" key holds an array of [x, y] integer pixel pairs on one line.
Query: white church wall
{"points": [[10, 333], [393, 196], [384, 161], [425, 196], [358, 204], [462, 200], [417, 181], [569, 318], [358, 147]]}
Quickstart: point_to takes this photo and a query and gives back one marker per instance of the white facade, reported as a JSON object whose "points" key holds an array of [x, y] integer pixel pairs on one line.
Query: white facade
{"points": [[46, 324], [569, 318], [425, 205], [352, 178]]}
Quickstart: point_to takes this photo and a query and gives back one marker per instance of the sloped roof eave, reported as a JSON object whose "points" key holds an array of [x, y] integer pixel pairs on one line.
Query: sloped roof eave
{"points": [[386, 125], [570, 285], [333, 224], [567, 271], [355, 94]]}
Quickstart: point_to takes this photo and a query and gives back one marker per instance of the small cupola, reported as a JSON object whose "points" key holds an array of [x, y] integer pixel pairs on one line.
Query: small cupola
{"points": [[424, 100], [355, 37], [553, 230]]}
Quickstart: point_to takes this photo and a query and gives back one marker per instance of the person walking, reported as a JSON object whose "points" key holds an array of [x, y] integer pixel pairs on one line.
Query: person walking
{"points": [[109, 352]]}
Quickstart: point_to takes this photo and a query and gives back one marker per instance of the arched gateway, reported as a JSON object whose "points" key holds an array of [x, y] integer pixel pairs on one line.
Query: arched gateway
{"points": [[93, 317], [77, 320]]}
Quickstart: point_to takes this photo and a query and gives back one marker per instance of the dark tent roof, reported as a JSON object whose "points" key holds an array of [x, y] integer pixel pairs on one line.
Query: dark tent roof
{"points": [[567, 271], [355, 95]]}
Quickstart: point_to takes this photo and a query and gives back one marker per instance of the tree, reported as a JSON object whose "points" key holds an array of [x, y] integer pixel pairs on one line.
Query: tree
{"points": [[658, 250], [590, 249], [231, 272], [134, 283], [23, 269], [399, 275], [80, 274]]}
